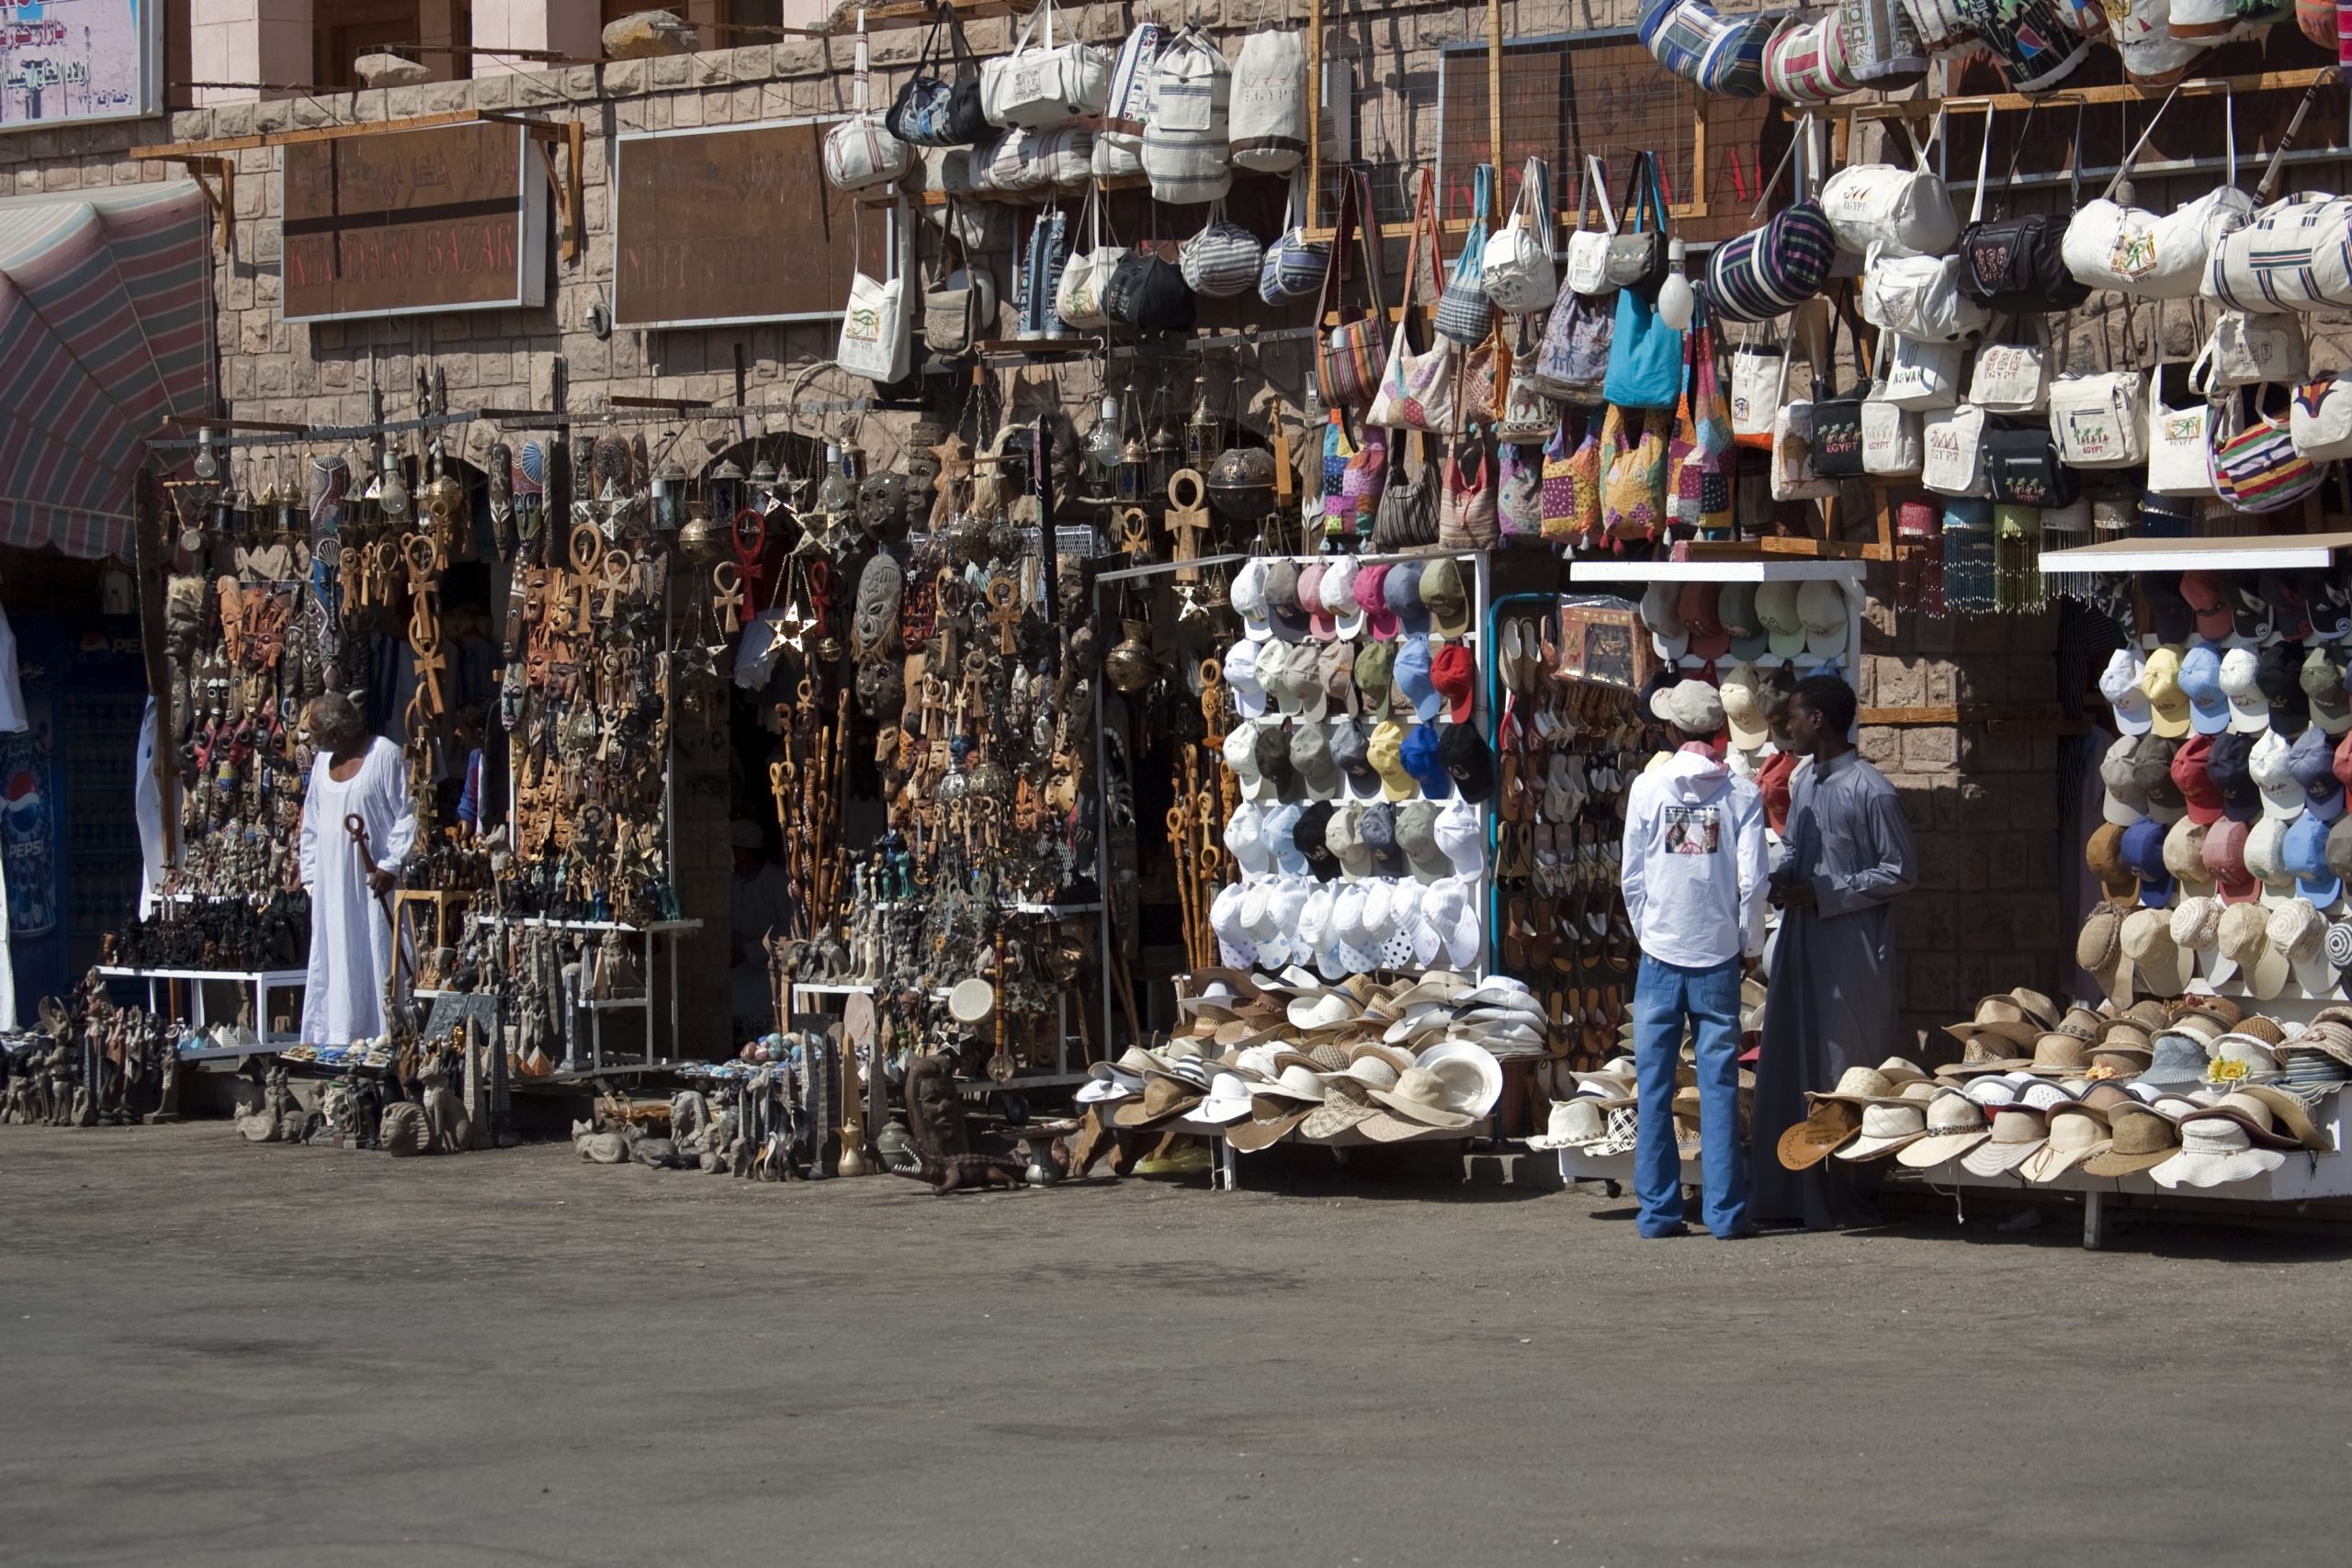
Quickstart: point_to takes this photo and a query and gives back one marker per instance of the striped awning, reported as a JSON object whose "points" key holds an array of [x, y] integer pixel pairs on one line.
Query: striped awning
{"points": [[105, 333]]}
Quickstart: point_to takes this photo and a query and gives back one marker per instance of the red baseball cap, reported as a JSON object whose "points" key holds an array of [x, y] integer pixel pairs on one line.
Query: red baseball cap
{"points": [[2196, 787], [2344, 761], [2225, 858], [1697, 611], [2208, 603], [1455, 675], [1772, 780]]}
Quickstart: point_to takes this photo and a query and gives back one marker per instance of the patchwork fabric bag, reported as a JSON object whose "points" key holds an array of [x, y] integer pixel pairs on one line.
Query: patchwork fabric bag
{"points": [[1572, 484], [1418, 390], [1632, 474]]}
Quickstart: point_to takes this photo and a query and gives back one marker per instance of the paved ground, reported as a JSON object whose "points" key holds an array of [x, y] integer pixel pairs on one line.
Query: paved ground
{"points": [[219, 1353]]}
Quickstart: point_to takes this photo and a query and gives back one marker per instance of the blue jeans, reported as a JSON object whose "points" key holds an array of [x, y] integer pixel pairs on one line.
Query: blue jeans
{"points": [[1664, 995]]}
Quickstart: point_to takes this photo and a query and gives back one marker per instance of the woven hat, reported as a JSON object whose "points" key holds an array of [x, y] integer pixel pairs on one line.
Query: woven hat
{"points": [[2197, 925], [1572, 1125], [2098, 949], [2016, 1133], [2055, 1054], [2016, 1016], [2081, 1023], [2290, 1117], [1886, 1128], [2139, 1137], [2299, 932], [2220, 1010], [1416, 1105], [2245, 951], [1955, 1124], [1858, 1086], [2216, 1149], [1811, 1141], [2157, 963], [2075, 1134]]}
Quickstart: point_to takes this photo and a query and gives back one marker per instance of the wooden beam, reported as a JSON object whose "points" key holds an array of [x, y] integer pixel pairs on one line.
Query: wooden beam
{"points": [[180, 152], [2122, 93]]}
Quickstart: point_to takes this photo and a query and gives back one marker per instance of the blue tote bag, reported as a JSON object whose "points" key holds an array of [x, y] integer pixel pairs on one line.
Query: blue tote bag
{"points": [[1644, 356]]}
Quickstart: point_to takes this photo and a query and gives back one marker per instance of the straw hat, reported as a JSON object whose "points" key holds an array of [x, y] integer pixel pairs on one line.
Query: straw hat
{"points": [[2262, 1029], [2140, 1137], [2158, 964], [1472, 1078], [1858, 1086], [1886, 1128], [2286, 1118], [2015, 1016], [1416, 1105], [2081, 1023], [2055, 1055], [2016, 1133], [1572, 1123], [1165, 1098], [2222, 1009], [2075, 1134], [2098, 948], [1955, 1125], [1808, 1143], [2216, 1148]]}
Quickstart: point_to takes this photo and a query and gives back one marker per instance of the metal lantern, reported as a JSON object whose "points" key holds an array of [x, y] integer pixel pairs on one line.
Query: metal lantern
{"points": [[670, 496], [1204, 431], [725, 487], [763, 477]]}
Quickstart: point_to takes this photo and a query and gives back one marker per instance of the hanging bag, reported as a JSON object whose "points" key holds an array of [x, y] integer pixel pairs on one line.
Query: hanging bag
{"points": [[1902, 212], [1771, 269], [1464, 312], [2255, 467], [2019, 264], [1078, 300], [2112, 244], [1882, 43], [1294, 267], [1571, 485], [1517, 270], [2248, 351], [1222, 260], [1363, 473], [1918, 376], [1758, 375], [1185, 149], [2180, 437], [2013, 377], [958, 307], [1042, 83], [1920, 298], [1837, 418], [2295, 254], [1644, 356], [1793, 477], [1350, 355], [1805, 63], [1572, 365], [2320, 421], [1632, 474], [1637, 257], [875, 342], [1891, 446], [1407, 516], [2022, 469], [936, 109], [1466, 517], [1586, 272], [1127, 103], [2030, 41], [1952, 451], [861, 153], [1526, 415], [2100, 419], [1269, 118], [1418, 390]]}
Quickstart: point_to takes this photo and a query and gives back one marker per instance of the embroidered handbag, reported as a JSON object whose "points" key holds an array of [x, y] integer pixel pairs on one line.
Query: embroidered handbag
{"points": [[1464, 312], [1293, 265], [1042, 83], [1918, 376], [2022, 469], [1919, 297], [1476, 374], [1758, 378], [1268, 123], [1637, 257], [2012, 377], [1518, 492], [1417, 391], [1407, 516], [2320, 421], [1881, 42], [2018, 265], [1573, 363], [1952, 451], [937, 110], [1572, 484], [1466, 519], [2256, 466], [1527, 415], [1338, 452], [1350, 357], [1890, 432], [1771, 270], [1632, 474], [1903, 212], [2247, 351], [2100, 421], [1186, 147], [1586, 268], [1793, 478], [2111, 244], [1127, 103], [1222, 260], [1517, 270]]}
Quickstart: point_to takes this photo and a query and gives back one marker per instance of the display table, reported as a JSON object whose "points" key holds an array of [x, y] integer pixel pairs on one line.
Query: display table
{"points": [[593, 1009], [259, 982]]}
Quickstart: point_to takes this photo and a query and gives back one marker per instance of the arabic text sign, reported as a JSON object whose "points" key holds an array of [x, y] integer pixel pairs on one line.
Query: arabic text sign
{"points": [[63, 61]]}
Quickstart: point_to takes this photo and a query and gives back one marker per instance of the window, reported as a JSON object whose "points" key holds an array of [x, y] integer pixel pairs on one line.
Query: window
{"points": [[345, 31]]}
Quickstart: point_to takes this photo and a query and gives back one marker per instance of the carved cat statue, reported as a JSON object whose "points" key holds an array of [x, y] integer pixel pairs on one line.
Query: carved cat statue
{"points": [[602, 1148]]}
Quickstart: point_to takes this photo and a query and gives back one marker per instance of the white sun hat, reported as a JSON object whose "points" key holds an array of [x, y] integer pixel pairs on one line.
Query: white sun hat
{"points": [[1472, 1078]]}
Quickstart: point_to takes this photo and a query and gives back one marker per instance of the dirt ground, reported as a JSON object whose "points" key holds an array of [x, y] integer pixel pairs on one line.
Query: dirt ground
{"points": [[215, 1352]]}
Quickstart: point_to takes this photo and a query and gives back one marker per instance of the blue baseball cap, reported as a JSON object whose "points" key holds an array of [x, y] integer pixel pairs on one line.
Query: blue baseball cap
{"points": [[2144, 851], [1422, 761], [1411, 675], [1289, 859], [2311, 759], [1402, 589], [2304, 853], [2200, 683]]}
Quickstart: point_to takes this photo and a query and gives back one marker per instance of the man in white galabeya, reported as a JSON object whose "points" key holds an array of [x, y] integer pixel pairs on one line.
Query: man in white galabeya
{"points": [[1694, 880]]}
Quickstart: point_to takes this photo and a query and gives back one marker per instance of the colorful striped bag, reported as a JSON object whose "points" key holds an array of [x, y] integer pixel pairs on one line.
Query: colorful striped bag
{"points": [[2256, 466], [1769, 271]]}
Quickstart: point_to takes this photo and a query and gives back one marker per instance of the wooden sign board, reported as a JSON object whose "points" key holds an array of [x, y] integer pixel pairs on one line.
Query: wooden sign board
{"points": [[735, 223], [450, 218]]}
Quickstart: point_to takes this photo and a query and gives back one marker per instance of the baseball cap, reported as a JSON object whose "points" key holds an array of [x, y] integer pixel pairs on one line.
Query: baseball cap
{"points": [[1372, 594], [2339, 848], [2151, 772], [1662, 613], [1462, 834], [1379, 828], [2200, 683], [1776, 606], [1336, 667], [1420, 760], [2262, 853], [1821, 607], [2184, 853], [2208, 606], [2166, 608], [2103, 854], [2329, 604], [1454, 673], [1416, 835], [1309, 836], [2278, 670], [2225, 858], [2143, 854], [2160, 678], [2311, 759], [1386, 752], [1248, 596], [1413, 678], [1241, 756], [2323, 682], [1374, 673], [1402, 589], [1319, 624], [1344, 837], [1240, 668], [1442, 594], [2124, 803], [1273, 759], [2282, 600], [1281, 822], [2247, 609], [2282, 797], [1702, 623], [1744, 707], [2119, 684], [1281, 601], [1736, 609], [1310, 758], [2197, 792], [2226, 765], [1348, 741], [2303, 854], [1338, 587], [1467, 761], [2249, 709], [1301, 682]]}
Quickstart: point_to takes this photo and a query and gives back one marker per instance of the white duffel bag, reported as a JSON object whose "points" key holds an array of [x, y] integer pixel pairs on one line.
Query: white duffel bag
{"points": [[1042, 83], [2100, 421], [1024, 161], [861, 153], [2133, 251], [2321, 421], [1919, 297], [1185, 149], [1903, 212], [2295, 255], [1127, 105], [1268, 118], [1518, 276]]}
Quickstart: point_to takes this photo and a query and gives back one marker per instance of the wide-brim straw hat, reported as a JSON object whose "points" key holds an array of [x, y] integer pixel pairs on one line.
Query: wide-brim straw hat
{"points": [[2084, 1135], [1420, 1097], [1262, 1131], [1164, 1098], [2015, 1016], [2215, 1150], [1886, 1128], [2139, 1138], [2010, 1146], [1807, 1142], [1472, 1078]]}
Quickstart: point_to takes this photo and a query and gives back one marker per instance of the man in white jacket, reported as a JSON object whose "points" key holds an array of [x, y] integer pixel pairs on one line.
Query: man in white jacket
{"points": [[1695, 884]]}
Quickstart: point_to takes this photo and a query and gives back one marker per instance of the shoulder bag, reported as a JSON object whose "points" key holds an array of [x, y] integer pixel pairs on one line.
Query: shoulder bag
{"points": [[1952, 451], [860, 152], [2320, 421], [2112, 244], [1637, 257], [1407, 515], [2100, 419], [2256, 466], [2019, 264], [1079, 299], [1882, 44], [1588, 249], [959, 308], [1517, 270], [1758, 378], [1837, 419], [2011, 377], [1127, 103], [942, 110], [1042, 83], [1805, 63], [1890, 431], [2295, 254], [1467, 516], [2031, 39], [1526, 415], [1185, 148], [1572, 485], [1464, 312], [2247, 351], [1919, 297], [1632, 474], [1571, 363], [1417, 391], [1644, 356], [1903, 212], [1350, 355], [1794, 476], [1293, 265], [1147, 292], [1771, 270], [1222, 260], [1918, 376], [2180, 438], [875, 342], [2022, 469]]}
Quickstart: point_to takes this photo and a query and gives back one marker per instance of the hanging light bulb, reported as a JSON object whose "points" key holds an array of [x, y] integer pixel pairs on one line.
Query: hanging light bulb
{"points": [[1102, 445], [1676, 302], [392, 496], [833, 496], [207, 467]]}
